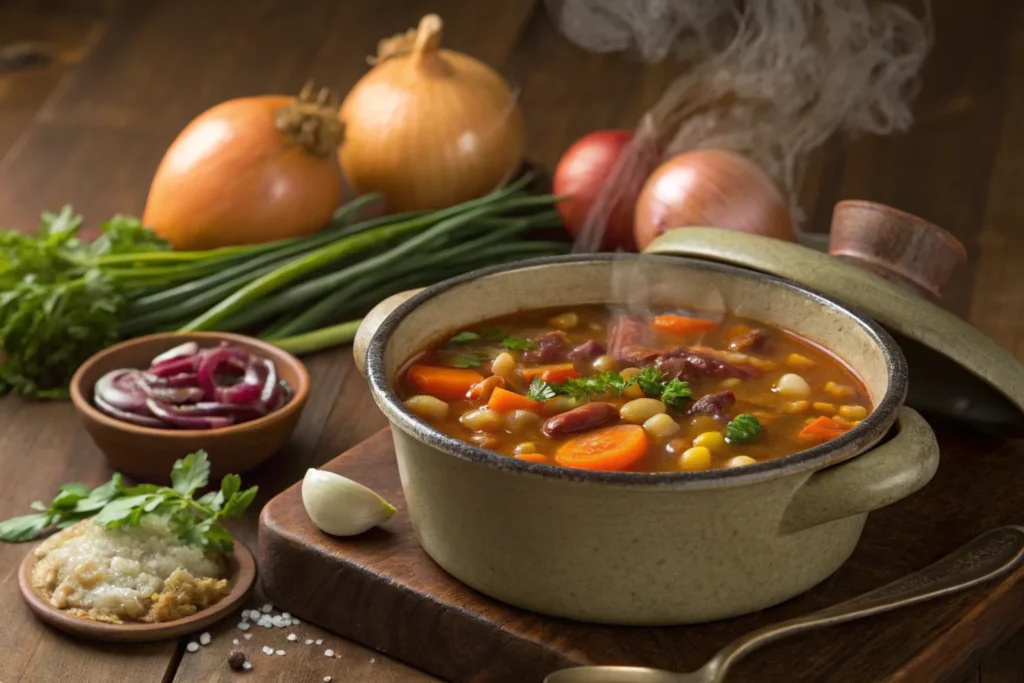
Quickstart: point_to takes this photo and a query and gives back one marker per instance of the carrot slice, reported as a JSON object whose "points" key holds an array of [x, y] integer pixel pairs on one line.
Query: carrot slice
{"points": [[551, 373], [534, 457], [611, 448], [505, 401], [449, 384], [821, 430], [681, 325]]}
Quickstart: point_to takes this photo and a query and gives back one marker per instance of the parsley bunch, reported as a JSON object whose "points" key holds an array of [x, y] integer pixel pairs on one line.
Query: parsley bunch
{"points": [[114, 505], [673, 393]]}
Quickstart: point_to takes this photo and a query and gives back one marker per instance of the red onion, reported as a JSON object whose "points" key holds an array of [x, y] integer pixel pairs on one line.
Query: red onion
{"points": [[192, 388]]}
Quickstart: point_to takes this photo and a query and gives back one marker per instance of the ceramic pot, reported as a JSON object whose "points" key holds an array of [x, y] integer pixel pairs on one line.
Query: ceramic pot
{"points": [[644, 548]]}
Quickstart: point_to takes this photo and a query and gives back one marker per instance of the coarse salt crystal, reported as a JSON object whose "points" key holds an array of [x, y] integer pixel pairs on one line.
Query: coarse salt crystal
{"points": [[319, 641], [235, 641], [372, 660], [268, 650], [292, 637], [205, 639], [296, 621], [309, 641], [243, 626], [192, 647], [248, 636], [280, 653], [328, 653], [327, 679], [267, 608], [246, 665], [286, 615]]}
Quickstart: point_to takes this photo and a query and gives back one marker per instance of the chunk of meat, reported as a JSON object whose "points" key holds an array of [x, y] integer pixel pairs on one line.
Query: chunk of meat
{"points": [[588, 350], [754, 341], [627, 333], [551, 348], [713, 405], [687, 364], [582, 419], [637, 356]]}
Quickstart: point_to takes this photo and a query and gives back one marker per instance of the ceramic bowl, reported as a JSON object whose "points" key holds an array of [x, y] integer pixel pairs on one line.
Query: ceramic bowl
{"points": [[146, 453], [645, 548]]}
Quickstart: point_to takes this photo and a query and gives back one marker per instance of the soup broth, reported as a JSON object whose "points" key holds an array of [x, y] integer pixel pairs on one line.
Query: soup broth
{"points": [[671, 391]]}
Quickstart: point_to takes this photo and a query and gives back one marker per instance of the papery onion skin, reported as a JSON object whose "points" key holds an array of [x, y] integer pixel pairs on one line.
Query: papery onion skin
{"points": [[580, 176], [232, 177], [430, 128], [711, 188]]}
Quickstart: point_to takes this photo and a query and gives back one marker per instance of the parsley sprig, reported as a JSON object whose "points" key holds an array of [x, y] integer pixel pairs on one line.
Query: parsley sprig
{"points": [[744, 427], [519, 344], [673, 392], [114, 505]]}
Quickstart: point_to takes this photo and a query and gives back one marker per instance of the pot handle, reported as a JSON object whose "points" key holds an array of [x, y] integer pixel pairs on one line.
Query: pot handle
{"points": [[883, 475], [372, 320]]}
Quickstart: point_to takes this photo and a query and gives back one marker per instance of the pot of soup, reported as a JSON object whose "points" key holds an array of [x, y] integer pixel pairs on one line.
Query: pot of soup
{"points": [[634, 439]]}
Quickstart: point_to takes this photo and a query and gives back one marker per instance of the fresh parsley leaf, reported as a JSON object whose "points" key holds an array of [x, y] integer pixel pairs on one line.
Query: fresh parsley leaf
{"points": [[238, 502], [119, 511], [467, 360], [574, 388], [540, 390], [464, 338], [519, 344], [69, 496], [215, 538], [742, 428], [676, 393], [650, 381], [27, 528], [190, 473]]}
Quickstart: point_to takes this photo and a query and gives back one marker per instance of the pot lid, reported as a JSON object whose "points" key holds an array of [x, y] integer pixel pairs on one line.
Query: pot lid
{"points": [[956, 372]]}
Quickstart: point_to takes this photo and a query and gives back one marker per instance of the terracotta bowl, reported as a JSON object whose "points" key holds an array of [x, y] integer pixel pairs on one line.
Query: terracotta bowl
{"points": [[632, 547], [146, 453]]}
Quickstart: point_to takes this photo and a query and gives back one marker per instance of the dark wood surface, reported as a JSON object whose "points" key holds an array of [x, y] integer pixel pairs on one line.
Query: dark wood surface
{"points": [[121, 78]]}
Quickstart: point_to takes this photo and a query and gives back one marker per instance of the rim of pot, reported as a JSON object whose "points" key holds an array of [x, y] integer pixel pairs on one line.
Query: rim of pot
{"points": [[867, 433]]}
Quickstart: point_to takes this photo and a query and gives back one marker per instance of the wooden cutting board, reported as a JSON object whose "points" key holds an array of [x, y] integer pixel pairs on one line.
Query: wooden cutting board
{"points": [[382, 590]]}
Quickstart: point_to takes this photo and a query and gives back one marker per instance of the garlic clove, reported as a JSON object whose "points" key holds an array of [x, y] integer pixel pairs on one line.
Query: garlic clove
{"points": [[340, 506]]}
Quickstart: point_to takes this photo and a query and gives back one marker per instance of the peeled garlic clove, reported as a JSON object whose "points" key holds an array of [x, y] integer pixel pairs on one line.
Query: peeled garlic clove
{"points": [[340, 506]]}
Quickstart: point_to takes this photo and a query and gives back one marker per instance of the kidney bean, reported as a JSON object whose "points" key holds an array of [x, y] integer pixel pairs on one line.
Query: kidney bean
{"points": [[582, 419], [713, 405], [482, 390]]}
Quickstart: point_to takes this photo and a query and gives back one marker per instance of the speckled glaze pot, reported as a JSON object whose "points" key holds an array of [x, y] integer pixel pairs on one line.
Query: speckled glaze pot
{"points": [[636, 548]]}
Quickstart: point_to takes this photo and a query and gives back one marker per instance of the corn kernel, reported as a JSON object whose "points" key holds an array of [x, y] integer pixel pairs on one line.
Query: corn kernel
{"points": [[564, 321], [710, 440], [839, 391], [795, 360], [853, 412], [694, 459], [822, 407], [796, 407], [730, 382], [740, 461]]}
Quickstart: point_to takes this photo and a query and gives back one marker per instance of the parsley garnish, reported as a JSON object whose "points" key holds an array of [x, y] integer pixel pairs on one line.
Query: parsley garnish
{"points": [[540, 390], [467, 360], [519, 344], [650, 381], [676, 393], [113, 505], [742, 428], [493, 334], [464, 338]]}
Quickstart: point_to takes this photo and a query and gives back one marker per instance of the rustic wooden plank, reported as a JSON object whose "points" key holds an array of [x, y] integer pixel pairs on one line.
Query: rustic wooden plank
{"points": [[1006, 665], [42, 446]]}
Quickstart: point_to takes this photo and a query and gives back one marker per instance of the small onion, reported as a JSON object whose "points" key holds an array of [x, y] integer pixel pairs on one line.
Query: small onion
{"points": [[429, 128], [713, 188]]}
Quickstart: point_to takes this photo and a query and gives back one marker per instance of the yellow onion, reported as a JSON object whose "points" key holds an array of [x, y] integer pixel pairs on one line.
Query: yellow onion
{"points": [[429, 128], [249, 170], [712, 188]]}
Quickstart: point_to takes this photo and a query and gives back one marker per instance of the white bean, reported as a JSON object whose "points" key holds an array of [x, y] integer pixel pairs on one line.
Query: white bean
{"points": [[427, 407], [661, 426], [521, 419], [792, 385], [482, 420], [639, 410]]}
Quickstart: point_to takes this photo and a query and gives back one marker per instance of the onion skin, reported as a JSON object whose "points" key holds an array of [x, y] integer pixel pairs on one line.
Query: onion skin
{"points": [[711, 188], [580, 176], [232, 177], [430, 128]]}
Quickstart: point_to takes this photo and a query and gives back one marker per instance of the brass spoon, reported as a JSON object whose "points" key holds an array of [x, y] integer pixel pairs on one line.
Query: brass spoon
{"points": [[990, 555]]}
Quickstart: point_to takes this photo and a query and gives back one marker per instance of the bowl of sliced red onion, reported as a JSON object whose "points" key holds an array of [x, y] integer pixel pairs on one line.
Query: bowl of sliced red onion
{"points": [[152, 400]]}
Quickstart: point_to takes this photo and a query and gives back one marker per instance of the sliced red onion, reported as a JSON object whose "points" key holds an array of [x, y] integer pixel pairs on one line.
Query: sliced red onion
{"points": [[270, 392], [187, 349], [125, 416], [174, 394], [119, 389], [185, 379], [180, 417], [245, 391], [176, 366], [211, 360], [241, 413]]}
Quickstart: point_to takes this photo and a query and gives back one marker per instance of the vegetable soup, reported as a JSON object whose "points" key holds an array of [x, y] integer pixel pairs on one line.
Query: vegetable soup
{"points": [[590, 388]]}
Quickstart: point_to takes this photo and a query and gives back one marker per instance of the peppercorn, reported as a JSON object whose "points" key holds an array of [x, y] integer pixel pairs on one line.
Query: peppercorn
{"points": [[236, 660]]}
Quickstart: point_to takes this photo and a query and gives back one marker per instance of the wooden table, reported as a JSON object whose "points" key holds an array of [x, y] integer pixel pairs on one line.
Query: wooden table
{"points": [[87, 123]]}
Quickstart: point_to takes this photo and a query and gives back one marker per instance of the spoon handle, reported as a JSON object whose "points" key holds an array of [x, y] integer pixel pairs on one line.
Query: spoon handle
{"points": [[990, 555]]}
